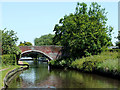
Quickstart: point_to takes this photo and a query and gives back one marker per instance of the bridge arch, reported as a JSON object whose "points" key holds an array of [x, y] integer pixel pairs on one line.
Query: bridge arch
{"points": [[38, 51], [52, 52]]}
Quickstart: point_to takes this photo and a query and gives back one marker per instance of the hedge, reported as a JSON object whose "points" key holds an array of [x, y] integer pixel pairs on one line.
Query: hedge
{"points": [[113, 50], [9, 59]]}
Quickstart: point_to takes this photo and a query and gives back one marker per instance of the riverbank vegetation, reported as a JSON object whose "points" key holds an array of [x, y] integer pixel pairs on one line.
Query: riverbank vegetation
{"points": [[85, 37], [7, 68], [118, 42], [104, 62], [5, 71], [107, 63], [8, 59], [10, 53]]}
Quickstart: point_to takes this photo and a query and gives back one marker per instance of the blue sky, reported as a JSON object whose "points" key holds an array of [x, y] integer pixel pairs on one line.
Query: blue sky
{"points": [[33, 19]]}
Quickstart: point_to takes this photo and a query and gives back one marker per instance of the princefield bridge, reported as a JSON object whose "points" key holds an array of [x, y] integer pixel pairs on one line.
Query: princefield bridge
{"points": [[51, 52]]}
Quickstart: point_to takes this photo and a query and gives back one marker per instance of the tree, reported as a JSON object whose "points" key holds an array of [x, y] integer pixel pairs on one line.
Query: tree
{"points": [[118, 42], [83, 33], [44, 40], [0, 43], [25, 44], [9, 40]]}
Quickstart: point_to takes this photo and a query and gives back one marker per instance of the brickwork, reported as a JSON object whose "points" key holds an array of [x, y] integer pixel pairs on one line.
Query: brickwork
{"points": [[52, 51]]}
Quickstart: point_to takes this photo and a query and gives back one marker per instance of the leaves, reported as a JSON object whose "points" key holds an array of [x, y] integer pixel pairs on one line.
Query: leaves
{"points": [[25, 44], [118, 42], [9, 40], [83, 33], [105, 59], [44, 40]]}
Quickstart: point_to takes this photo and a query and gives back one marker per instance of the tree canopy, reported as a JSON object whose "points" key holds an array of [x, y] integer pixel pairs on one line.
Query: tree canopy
{"points": [[9, 40], [25, 44], [84, 32], [118, 42], [44, 40]]}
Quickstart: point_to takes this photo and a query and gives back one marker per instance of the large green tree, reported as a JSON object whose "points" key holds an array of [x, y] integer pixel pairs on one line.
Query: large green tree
{"points": [[9, 40], [44, 40], [84, 32]]}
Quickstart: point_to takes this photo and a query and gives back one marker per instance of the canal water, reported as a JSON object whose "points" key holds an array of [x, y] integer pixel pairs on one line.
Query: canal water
{"points": [[39, 75]]}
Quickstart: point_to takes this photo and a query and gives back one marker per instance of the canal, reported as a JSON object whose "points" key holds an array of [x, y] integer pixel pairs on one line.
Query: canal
{"points": [[39, 75]]}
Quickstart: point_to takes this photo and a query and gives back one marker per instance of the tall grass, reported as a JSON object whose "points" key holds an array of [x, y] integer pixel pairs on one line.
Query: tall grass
{"points": [[105, 62]]}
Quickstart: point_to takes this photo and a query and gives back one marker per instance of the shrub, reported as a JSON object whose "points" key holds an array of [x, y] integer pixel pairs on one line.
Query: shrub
{"points": [[118, 44], [113, 50], [102, 61], [9, 59], [106, 62], [86, 63]]}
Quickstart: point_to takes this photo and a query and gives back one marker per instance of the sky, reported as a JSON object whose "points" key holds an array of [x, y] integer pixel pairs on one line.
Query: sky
{"points": [[31, 20]]}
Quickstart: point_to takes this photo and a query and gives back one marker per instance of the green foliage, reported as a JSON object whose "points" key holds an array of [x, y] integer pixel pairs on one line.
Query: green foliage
{"points": [[61, 62], [9, 59], [25, 44], [118, 35], [113, 50], [83, 33], [21, 44], [110, 65], [54, 62], [0, 42], [44, 40], [118, 42], [86, 64], [9, 40], [102, 62], [105, 62]]}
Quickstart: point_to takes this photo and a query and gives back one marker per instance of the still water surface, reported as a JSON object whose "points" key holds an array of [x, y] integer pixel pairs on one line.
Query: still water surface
{"points": [[39, 75]]}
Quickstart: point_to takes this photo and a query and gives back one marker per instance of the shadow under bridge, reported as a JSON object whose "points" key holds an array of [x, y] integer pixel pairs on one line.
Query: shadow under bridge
{"points": [[35, 54]]}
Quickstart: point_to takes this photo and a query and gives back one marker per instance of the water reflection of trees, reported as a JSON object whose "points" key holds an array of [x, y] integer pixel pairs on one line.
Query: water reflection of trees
{"points": [[75, 79], [40, 77]]}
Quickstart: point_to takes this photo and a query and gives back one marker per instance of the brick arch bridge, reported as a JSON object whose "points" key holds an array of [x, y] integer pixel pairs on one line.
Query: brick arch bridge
{"points": [[52, 52]]}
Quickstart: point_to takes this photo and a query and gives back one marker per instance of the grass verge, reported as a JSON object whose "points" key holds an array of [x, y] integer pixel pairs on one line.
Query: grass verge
{"points": [[4, 72], [7, 68]]}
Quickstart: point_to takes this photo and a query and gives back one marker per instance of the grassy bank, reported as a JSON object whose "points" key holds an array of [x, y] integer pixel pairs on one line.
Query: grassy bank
{"points": [[106, 62], [5, 69]]}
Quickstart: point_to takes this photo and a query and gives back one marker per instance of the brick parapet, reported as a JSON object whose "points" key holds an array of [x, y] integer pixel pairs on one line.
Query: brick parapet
{"points": [[51, 51]]}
